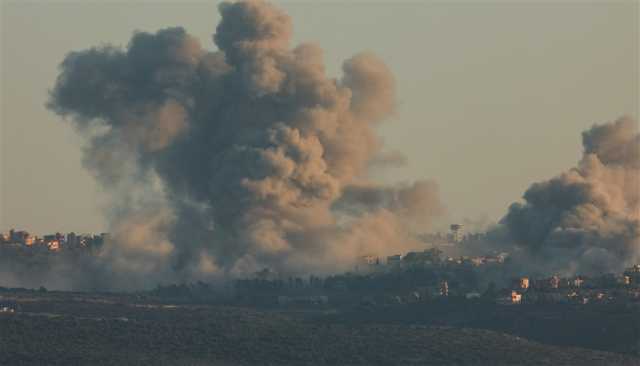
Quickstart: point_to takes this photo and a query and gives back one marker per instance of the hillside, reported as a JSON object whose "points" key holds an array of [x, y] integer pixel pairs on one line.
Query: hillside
{"points": [[219, 335]]}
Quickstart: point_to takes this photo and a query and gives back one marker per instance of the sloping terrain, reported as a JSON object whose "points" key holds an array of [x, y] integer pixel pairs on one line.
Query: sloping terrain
{"points": [[606, 327], [206, 335]]}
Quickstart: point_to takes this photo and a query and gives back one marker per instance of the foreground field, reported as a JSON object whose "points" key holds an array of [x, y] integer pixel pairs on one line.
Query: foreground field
{"points": [[110, 332]]}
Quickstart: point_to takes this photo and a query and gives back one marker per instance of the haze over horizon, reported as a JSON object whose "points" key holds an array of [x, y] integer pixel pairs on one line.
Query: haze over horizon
{"points": [[500, 94], [282, 182]]}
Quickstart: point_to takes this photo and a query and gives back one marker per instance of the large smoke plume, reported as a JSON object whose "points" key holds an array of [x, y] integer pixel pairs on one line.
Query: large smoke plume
{"points": [[247, 157], [586, 220]]}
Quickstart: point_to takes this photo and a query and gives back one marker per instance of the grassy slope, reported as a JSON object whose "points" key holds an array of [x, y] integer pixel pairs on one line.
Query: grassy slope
{"points": [[604, 327], [232, 336]]}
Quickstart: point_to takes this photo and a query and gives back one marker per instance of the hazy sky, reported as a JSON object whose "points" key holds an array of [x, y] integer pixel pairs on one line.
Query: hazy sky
{"points": [[492, 95]]}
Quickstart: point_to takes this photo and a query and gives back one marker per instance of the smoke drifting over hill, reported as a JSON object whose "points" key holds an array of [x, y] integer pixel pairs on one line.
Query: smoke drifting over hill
{"points": [[588, 218], [229, 161]]}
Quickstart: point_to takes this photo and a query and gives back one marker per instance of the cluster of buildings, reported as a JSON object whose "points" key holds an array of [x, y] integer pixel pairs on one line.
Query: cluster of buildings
{"points": [[427, 257], [431, 256], [22, 239], [607, 288], [579, 289], [449, 281]]}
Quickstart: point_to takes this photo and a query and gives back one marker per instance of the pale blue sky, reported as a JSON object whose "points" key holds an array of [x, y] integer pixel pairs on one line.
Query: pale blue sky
{"points": [[492, 95]]}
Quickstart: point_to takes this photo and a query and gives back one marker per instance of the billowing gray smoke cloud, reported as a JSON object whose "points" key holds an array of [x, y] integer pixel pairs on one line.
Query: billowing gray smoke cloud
{"points": [[587, 219], [248, 157]]}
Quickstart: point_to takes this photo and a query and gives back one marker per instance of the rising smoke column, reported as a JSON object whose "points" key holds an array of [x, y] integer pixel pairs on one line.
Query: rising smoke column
{"points": [[587, 219], [246, 157]]}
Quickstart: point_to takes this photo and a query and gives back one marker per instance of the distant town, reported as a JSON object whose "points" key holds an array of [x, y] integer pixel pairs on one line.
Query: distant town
{"points": [[430, 275], [21, 239], [396, 279], [427, 276]]}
